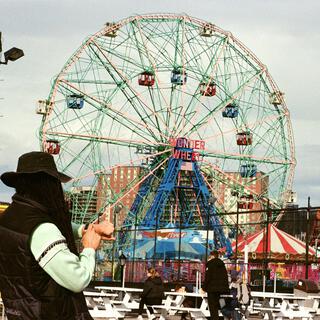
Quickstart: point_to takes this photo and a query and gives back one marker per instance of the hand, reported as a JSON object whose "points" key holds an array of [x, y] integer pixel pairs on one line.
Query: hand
{"points": [[91, 239], [104, 229], [201, 291]]}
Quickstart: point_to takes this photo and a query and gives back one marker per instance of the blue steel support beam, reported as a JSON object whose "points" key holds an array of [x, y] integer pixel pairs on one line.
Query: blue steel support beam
{"points": [[167, 186], [210, 210], [143, 191]]}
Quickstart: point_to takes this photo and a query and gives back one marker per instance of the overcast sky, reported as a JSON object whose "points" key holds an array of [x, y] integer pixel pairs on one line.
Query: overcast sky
{"points": [[284, 34]]}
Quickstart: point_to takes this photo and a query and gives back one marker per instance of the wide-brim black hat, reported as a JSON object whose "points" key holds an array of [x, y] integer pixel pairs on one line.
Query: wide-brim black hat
{"points": [[31, 163]]}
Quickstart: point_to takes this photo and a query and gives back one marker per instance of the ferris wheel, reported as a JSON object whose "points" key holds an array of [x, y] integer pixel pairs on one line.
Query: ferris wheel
{"points": [[152, 88]]}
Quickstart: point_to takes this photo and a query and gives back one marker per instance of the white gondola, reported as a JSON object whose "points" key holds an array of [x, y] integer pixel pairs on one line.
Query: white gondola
{"points": [[276, 98], [42, 106], [110, 33], [207, 30]]}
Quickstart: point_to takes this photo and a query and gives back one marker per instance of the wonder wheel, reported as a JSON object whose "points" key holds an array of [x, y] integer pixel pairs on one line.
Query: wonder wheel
{"points": [[166, 120]]}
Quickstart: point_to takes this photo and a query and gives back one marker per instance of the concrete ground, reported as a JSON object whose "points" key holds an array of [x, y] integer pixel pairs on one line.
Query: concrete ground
{"points": [[135, 316]]}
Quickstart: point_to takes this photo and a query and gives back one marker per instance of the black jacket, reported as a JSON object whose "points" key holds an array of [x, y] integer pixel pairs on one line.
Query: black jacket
{"points": [[216, 277], [28, 292], [153, 288]]}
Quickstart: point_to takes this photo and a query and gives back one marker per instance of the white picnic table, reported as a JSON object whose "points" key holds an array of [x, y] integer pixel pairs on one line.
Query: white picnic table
{"points": [[283, 305], [127, 300], [100, 305], [274, 305], [174, 304]]}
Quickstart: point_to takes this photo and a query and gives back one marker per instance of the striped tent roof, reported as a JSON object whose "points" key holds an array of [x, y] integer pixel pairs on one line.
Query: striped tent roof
{"points": [[278, 242]]}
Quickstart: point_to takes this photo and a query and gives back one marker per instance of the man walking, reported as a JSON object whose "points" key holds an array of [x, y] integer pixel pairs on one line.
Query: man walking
{"points": [[215, 283]]}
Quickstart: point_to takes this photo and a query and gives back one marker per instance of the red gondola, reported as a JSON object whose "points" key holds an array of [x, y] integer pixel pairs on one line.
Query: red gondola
{"points": [[208, 89], [146, 79], [52, 147], [244, 138], [246, 202]]}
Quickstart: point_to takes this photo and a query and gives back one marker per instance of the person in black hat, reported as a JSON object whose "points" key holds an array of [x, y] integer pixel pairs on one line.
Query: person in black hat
{"points": [[215, 283], [41, 274]]}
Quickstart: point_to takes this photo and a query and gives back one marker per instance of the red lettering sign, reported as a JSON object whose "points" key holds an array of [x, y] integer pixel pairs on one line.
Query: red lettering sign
{"points": [[187, 144]]}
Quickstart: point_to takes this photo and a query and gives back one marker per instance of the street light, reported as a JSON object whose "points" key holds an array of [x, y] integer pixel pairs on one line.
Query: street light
{"points": [[12, 54], [116, 210], [122, 261]]}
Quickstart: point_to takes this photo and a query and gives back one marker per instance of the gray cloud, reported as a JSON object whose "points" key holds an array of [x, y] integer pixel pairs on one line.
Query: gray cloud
{"points": [[285, 35]]}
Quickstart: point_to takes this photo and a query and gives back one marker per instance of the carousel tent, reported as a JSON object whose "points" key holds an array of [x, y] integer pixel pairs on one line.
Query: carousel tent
{"points": [[279, 244], [169, 249]]}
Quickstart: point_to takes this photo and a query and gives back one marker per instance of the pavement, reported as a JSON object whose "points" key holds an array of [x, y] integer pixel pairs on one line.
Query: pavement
{"points": [[135, 316]]}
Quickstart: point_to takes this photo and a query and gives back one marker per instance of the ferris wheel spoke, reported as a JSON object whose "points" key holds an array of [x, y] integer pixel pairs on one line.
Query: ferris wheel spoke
{"points": [[106, 169], [176, 92], [122, 118], [242, 83], [221, 205], [85, 120], [268, 139], [151, 60], [192, 106], [244, 157], [141, 107], [115, 51], [81, 158], [124, 84], [161, 54], [233, 184], [259, 139], [152, 172], [111, 140], [204, 120]]}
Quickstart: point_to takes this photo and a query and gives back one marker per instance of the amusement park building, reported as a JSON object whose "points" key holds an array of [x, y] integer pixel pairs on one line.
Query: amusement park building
{"points": [[118, 182], [83, 199], [228, 196]]}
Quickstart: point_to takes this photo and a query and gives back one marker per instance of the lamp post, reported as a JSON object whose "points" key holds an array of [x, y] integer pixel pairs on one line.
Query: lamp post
{"points": [[211, 201], [122, 261], [307, 240], [12, 54], [116, 211]]}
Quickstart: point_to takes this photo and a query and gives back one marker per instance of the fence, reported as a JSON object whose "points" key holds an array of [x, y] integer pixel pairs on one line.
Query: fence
{"points": [[179, 252]]}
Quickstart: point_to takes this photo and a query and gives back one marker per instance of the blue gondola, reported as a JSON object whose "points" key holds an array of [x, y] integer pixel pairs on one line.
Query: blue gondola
{"points": [[230, 111], [178, 76], [248, 170], [75, 101]]}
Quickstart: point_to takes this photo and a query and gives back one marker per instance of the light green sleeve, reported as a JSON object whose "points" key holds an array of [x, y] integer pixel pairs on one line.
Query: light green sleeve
{"points": [[50, 249]]}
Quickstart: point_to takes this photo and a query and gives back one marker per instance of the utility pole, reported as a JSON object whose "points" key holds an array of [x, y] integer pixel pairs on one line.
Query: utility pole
{"points": [[307, 239]]}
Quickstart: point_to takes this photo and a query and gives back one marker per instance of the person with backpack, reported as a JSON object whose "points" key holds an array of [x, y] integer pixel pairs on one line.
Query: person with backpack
{"points": [[240, 293], [153, 293]]}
